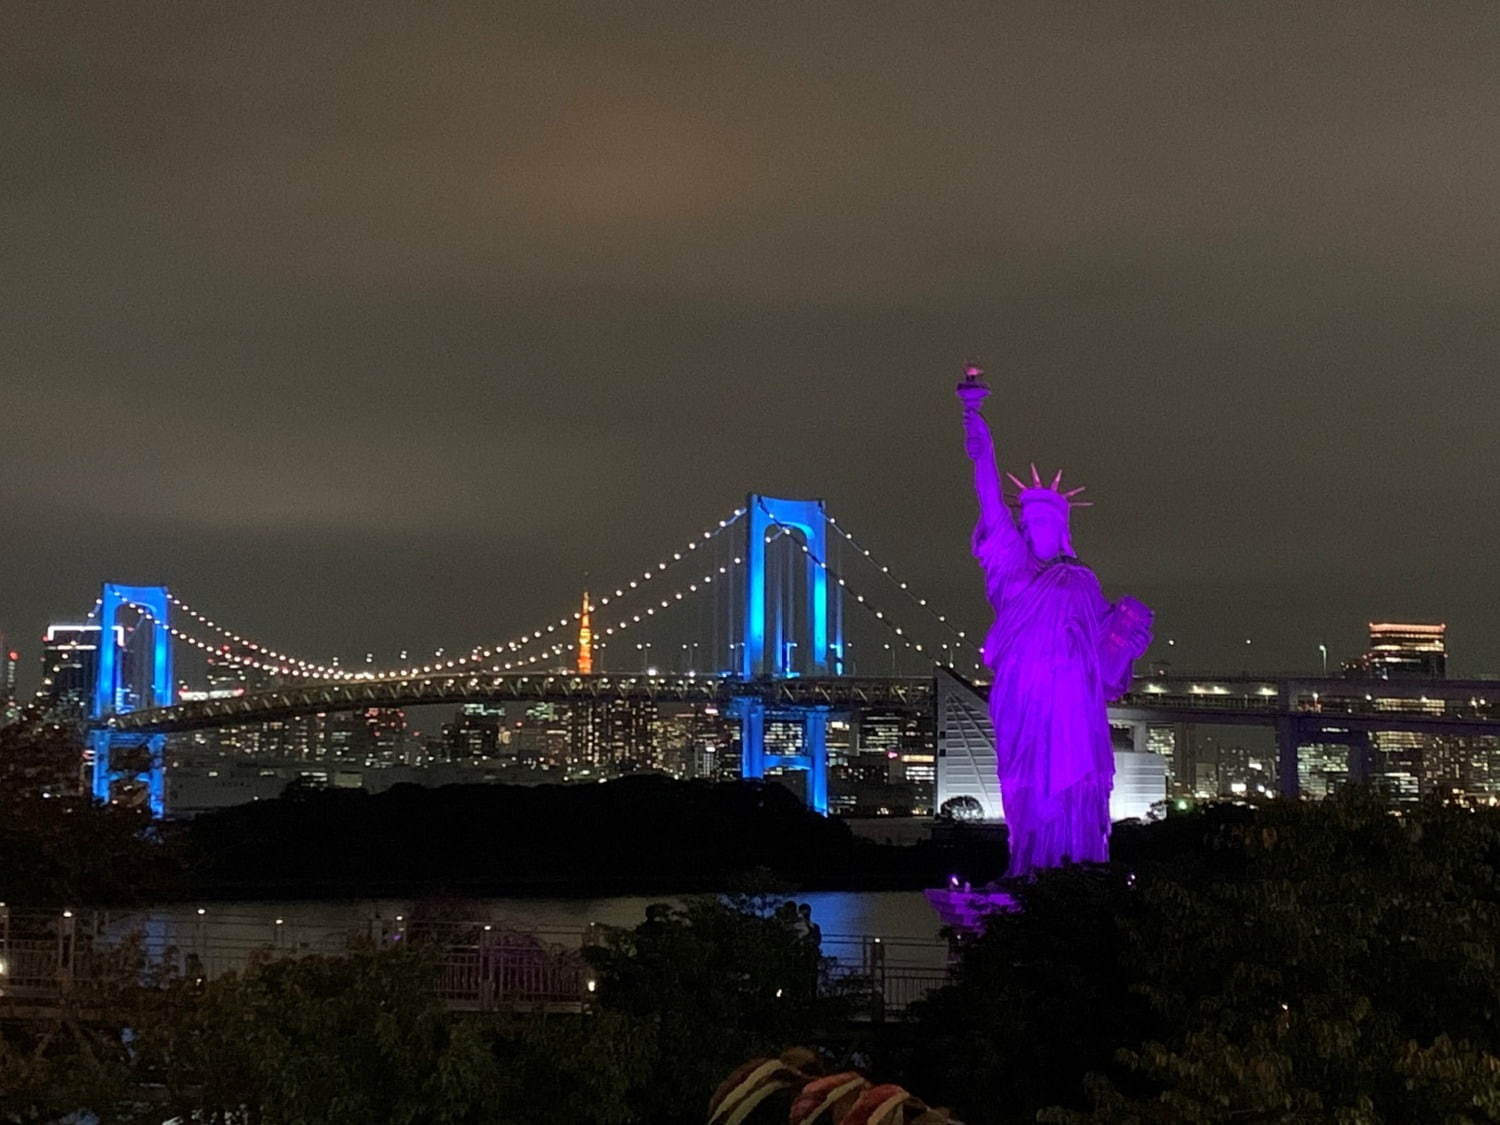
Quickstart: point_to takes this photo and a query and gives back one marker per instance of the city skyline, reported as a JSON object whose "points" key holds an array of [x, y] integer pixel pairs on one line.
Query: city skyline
{"points": [[388, 351]]}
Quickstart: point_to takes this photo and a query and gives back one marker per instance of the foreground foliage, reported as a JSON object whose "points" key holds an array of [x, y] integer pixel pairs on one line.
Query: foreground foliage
{"points": [[708, 984], [57, 846], [1287, 962], [1328, 961], [363, 1037]]}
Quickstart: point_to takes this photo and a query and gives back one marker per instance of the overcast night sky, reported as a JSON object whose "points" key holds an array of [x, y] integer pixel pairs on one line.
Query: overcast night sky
{"points": [[377, 325]]}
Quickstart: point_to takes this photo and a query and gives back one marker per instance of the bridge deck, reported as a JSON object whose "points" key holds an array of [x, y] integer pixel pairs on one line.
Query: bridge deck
{"points": [[1443, 706]]}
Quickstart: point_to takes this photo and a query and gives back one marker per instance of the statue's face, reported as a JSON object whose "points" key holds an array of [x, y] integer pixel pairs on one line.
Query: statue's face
{"points": [[1046, 530]]}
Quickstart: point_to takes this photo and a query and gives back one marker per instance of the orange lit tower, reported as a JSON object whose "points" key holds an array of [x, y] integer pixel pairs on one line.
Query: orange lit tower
{"points": [[585, 640]]}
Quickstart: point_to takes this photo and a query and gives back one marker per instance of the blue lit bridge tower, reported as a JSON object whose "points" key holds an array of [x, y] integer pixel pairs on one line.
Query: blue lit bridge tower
{"points": [[134, 670], [790, 628]]}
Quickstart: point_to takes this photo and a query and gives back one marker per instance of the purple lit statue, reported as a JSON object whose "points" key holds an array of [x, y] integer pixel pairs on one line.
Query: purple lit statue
{"points": [[1058, 651]]}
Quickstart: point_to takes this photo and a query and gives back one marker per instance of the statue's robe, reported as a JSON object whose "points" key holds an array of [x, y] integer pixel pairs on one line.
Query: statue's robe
{"points": [[1048, 707]]}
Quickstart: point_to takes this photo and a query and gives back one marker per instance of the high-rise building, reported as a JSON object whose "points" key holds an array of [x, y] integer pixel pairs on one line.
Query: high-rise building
{"points": [[614, 736], [1163, 741], [9, 706], [630, 726], [1406, 764], [1406, 652], [70, 664], [386, 734], [477, 731], [908, 742], [691, 741], [586, 741]]}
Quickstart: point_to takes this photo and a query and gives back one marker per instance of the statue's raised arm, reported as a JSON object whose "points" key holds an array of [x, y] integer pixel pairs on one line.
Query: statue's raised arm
{"points": [[998, 543]]}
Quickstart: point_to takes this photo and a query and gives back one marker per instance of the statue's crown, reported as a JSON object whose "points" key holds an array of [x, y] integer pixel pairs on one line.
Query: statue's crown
{"points": [[1052, 494]]}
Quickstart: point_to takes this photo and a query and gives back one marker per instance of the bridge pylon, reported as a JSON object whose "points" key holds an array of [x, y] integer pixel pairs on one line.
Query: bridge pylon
{"points": [[753, 713], [128, 677], [775, 605], [771, 610]]}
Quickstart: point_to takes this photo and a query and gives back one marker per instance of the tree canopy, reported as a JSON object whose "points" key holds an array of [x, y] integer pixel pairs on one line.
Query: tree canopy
{"points": [[1292, 961]]}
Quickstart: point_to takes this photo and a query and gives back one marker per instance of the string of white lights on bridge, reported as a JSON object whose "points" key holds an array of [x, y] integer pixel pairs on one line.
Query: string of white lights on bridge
{"points": [[628, 622], [265, 658], [860, 599], [904, 587], [286, 664]]}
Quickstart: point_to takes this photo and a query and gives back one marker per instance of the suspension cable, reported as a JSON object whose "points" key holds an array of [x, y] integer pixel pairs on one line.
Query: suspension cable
{"points": [[859, 598], [292, 665], [904, 587]]}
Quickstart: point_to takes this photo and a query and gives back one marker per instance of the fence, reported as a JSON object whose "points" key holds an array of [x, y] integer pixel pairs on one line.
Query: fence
{"points": [[46, 958]]}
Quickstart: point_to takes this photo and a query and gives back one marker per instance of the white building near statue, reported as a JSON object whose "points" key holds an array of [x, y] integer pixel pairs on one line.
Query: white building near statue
{"points": [[966, 760]]}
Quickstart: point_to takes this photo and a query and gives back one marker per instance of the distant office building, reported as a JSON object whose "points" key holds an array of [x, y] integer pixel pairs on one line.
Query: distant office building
{"points": [[586, 741], [542, 738], [386, 731], [840, 740], [692, 742], [374, 736], [1163, 741], [1405, 652], [907, 742], [612, 736], [1406, 764], [1227, 761], [10, 706], [629, 735], [1322, 769], [70, 664], [477, 731]]}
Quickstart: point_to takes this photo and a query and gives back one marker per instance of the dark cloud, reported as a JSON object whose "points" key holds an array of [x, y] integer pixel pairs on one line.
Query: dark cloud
{"points": [[380, 324]]}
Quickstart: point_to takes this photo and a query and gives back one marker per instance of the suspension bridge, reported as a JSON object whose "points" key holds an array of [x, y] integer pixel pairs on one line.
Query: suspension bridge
{"points": [[775, 575], [779, 587]]}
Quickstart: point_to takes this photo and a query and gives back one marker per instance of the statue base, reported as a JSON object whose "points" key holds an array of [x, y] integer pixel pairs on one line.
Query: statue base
{"points": [[965, 910]]}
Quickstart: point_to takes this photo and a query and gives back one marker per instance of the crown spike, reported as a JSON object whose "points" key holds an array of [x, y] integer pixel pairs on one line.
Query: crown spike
{"points": [[1017, 481], [1072, 492], [1036, 477], [1057, 480]]}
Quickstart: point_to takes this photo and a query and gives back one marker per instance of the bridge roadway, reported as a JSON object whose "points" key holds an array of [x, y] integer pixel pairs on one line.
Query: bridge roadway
{"points": [[1310, 703], [835, 692]]}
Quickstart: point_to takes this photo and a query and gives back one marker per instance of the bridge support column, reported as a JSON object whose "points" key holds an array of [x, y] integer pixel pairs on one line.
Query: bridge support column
{"points": [[1140, 737], [113, 694], [1361, 756], [752, 714], [1288, 741], [808, 518], [813, 759], [815, 745]]}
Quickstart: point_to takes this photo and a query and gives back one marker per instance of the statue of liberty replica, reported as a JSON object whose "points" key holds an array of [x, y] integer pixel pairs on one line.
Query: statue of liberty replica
{"points": [[1058, 652]]}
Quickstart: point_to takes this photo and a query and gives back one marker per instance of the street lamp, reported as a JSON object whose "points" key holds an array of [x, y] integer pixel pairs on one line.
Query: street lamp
{"points": [[892, 651], [1324, 650]]}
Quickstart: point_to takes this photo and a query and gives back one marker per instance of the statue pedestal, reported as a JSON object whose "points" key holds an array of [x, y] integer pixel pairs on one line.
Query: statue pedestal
{"points": [[966, 910]]}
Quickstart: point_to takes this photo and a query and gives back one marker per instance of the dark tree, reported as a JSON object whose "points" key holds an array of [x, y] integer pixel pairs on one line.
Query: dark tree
{"points": [[1291, 961], [57, 845], [709, 984]]}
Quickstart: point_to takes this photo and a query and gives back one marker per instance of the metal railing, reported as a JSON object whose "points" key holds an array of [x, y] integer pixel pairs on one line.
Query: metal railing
{"points": [[51, 959]]}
